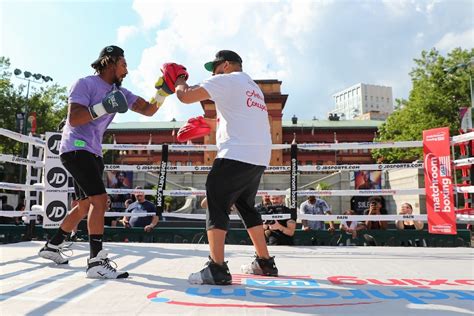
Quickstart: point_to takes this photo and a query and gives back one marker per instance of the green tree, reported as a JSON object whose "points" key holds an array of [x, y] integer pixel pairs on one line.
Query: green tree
{"points": [[434, 101], [49, 103]]}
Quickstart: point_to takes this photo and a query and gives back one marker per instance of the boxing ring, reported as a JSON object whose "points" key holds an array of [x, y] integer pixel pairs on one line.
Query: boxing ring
{"points": [[313, 280]]}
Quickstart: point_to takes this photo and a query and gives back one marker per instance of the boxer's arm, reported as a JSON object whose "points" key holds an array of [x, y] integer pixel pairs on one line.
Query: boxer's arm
{"points": [[190, 94], [143, 107], [78, 114]]}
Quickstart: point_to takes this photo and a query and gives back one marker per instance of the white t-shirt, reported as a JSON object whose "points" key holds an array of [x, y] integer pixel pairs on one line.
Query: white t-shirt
{"points": [[352, 226], [243, 130]]}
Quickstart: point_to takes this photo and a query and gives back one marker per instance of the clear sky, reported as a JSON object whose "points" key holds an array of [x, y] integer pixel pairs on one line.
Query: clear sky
{"points": [[315, 48]]}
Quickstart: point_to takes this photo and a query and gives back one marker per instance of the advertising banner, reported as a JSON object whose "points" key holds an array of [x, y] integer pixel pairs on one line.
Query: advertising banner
{"points": [[438, 182], [55, 182]]}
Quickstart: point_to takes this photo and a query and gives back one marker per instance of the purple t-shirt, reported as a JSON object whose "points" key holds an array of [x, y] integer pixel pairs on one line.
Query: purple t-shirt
{"points": [[89, 91]]}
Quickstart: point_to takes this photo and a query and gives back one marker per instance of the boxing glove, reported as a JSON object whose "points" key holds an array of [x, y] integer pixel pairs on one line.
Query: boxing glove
{"points": [[113, 102], [162, 91]]}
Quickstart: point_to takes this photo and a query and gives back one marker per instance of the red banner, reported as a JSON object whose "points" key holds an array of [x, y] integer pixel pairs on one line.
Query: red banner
{"points": [[31, 124], [438, 182]]}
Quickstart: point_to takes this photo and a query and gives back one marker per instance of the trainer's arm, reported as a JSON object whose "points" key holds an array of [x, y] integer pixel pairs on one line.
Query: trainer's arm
{"points": [[143, 107], [187, 94]]}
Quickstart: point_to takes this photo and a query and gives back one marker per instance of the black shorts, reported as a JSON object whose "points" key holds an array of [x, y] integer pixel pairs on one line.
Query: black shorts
{"points": [[86, 169], [232, 182]]}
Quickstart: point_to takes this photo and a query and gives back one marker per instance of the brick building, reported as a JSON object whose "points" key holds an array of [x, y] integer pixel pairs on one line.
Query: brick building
{"points": [[283, 132]]}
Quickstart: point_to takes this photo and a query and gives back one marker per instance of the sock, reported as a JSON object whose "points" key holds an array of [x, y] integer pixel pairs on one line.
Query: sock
{"points": [[95, 244], [59, 237]]}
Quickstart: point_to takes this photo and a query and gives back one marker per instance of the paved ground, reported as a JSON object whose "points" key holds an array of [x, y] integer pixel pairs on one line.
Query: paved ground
{"points": [[313, 281]]}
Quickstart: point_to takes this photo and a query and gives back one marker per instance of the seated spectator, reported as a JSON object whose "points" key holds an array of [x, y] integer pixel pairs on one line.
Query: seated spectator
{"points": [[280, 232], [407, 209], [141, 205], [350, 228], [4, 206], [375, 208], [266, 201], [19, 208], [315, 206]]}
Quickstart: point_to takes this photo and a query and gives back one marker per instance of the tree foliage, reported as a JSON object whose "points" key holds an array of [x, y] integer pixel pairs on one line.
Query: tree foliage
{"points": [[48, 101], [434, 101]]}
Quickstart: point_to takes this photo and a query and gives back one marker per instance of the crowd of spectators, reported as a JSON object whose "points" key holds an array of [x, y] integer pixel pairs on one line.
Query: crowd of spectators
{"points": [[277, 232]]}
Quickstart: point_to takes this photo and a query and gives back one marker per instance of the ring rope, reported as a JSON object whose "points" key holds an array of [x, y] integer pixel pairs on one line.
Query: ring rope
{"points": [[22, 161], [332, 146], [418, 217], [23, 138]]}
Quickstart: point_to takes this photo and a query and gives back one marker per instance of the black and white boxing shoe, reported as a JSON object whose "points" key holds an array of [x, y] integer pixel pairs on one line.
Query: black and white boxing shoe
{"points": [[213, 273], [100, 267]]}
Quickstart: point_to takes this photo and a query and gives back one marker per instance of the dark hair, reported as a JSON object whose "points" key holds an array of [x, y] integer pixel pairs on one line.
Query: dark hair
{"points": [[103, 62], [409, 205], [375, 199]]}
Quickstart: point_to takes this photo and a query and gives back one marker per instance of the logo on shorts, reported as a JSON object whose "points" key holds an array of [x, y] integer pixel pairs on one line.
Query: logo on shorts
{"points": [[54, 143], [56, 211], [57, 177]]}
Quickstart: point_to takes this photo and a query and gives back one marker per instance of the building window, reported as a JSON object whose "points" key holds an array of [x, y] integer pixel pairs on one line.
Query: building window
{"points": [[309, 163]]}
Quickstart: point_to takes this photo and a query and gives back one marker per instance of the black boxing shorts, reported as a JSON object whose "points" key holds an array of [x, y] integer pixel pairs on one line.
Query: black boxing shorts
{"points": [[232, 182], [87, 170]]}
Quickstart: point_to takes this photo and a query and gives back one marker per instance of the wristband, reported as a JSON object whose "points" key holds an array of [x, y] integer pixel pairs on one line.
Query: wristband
{"points": [[159, 98], [97, 111]]}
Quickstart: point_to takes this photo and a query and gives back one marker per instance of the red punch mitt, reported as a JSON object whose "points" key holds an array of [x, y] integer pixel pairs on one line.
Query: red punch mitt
{"points": [[194, 128], [171, 72]]}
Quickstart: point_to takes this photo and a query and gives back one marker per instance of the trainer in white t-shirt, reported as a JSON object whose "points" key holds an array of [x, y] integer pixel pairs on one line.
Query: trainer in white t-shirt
{"points": [[243, 130]]}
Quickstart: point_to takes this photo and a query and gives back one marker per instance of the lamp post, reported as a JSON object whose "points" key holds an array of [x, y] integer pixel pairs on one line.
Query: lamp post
{"points": [[29, 77]]}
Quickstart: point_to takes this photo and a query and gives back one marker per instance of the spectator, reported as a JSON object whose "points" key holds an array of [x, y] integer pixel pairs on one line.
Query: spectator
{"points": [[4, 206], [280, 232], [350, 228], [375, 208], [407, 209], [315, 206], [19, 208], [266, 201], [141, 205]]}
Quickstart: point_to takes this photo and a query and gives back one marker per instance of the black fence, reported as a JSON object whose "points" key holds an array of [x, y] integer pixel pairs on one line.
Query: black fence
{"points": [[239, 236]]}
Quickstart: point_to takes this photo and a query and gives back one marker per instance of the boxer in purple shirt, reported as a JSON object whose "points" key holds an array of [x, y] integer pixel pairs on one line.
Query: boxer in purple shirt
{"points": [[93, 103]]}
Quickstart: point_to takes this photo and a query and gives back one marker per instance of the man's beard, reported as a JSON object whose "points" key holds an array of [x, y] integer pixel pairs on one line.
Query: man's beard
{"points": [[118, 82]]}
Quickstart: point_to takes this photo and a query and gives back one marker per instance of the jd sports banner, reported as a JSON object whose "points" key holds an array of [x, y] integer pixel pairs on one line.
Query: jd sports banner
{"points": [[438, 182], [55, 182]]}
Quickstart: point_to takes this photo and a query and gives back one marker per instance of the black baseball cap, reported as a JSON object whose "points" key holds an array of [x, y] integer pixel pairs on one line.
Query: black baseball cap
{"points": [[223, 55], [110, 50]]}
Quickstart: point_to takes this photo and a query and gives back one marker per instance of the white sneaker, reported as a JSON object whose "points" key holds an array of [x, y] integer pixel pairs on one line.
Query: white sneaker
{"points": [[99, 268], [55, 252]]}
